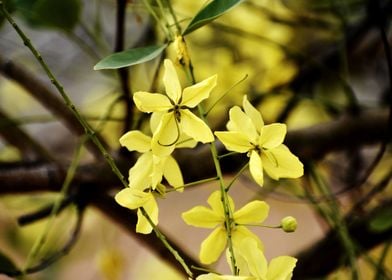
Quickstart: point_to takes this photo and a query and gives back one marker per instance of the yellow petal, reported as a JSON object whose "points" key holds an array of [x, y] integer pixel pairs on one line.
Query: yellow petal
{"points": [[214, 200], [213, 246], [253, 114], [195, 94], [155, 120], [243, 123], [140, 173], [132, 198], [240, 233], [166, 135], [171, 82], [254, 212], [272, 135], [194, 127], [201, 216], [256, 168], [136, 140], [172, 172], [281, 268], [234, 141], [151, 207], [157, 170], [213, 276], [151, 102], [279, 162], [185, 142], [255, 259]]}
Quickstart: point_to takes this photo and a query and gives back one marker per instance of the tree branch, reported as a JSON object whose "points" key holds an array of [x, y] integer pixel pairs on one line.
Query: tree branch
{"points": [[47, 98]]}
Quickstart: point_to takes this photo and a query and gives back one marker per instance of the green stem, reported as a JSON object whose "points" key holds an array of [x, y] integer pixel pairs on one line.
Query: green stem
{"points": [[162, 237], [337, 221], [203, 181], [174, 16], [41, 240], [158, 20], [236, 176], [88, 130], [227, 155]]}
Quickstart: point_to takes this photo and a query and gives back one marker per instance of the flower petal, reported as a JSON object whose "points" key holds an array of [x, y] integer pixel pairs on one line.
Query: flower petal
{"points": [[157, 170], [172, 173], [132, 198], [194, 127], [213, 246], [254, 212], [279, 162], [255, 259], [240, 233], [253, 114], [243, 123], [201, 216], [140, 174], [281, 268], [151, 207], [136, 140], [166, 135], [214, 200], [171, 82], [213, 276], [195, 94], [234, 141], [151, 102], [256, 168], [272, 135]]}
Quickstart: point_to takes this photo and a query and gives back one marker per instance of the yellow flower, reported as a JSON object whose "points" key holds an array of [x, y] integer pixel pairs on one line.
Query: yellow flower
{"points": [[149, 168], [135, 198], [253, 265], [263, 144], [280, 268], [173, 111], [254, 212]]}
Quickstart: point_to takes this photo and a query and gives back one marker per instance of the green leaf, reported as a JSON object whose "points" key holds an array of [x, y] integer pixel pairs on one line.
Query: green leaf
{"points": [[210, 12], [382, 221], [7, 266], [130, 57]]}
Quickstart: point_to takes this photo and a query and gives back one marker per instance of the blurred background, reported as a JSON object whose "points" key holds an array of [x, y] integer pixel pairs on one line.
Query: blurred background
{"points": [[322, 67]]}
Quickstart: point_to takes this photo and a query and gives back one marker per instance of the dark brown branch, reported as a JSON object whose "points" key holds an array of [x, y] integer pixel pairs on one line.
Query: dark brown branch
{"points": [[325, 256], [123, 73], [47, 98], [14, 135]]}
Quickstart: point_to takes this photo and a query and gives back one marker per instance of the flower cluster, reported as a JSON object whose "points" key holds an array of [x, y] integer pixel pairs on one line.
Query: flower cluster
{"points": [[174, 125]]}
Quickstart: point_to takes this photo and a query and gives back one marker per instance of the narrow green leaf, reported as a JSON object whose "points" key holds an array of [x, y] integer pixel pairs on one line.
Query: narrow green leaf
{"points": [[130, 57], [210, 12], [7, 266]]}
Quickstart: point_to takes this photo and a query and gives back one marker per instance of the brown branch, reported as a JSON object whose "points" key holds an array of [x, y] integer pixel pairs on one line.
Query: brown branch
{"points": [[47, 98], [123, 73], [30, 149]]}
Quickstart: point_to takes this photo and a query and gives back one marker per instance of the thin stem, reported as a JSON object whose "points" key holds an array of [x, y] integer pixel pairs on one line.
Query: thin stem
{"points": [[40, 241], [174, 16], [166, 243], [203, 181], [158, 20], [338, 222], [224, 95], [236, 176], [88, 130], [227, 155]]}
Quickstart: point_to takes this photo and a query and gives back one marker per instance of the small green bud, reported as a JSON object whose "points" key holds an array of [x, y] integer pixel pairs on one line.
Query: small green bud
{"points": [[289, 224]]}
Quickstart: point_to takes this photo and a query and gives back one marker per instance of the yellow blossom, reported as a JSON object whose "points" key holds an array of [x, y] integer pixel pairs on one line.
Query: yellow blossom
{"points": [[253, 265], [149, 168], [173, 110], [134, 198], [262, 143], [254, 212]]}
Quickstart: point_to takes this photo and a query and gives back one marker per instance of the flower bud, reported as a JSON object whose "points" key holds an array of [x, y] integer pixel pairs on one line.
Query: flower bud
{"points": [[288, 224]]}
